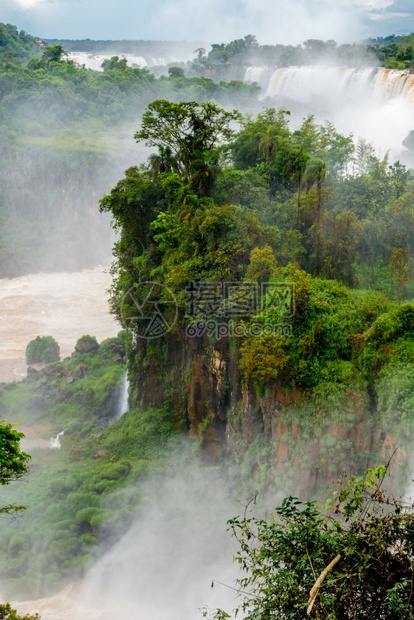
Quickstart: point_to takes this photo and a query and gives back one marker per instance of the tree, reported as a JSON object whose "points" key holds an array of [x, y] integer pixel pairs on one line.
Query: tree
{"points": [[175, 72], [13, 462], [191, 131], [201, 52], [114, 63], [54, 53], [314, 174], [352, 559], [296, 162], [42, 350], [7, 613], [400, 266]]}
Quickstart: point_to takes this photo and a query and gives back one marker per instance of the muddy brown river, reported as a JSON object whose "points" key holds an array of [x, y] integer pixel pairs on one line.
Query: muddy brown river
{"points": [[63, 305]]}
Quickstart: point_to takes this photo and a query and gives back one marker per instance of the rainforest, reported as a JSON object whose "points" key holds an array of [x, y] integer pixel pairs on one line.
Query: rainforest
{"points": [[231, 434]]}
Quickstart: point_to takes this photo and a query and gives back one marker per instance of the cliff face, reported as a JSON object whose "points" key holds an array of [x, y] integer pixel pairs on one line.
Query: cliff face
{"points": [[201, 381]]}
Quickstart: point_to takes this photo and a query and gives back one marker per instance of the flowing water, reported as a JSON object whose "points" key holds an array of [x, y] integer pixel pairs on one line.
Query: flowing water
{"points": [[63, 305], [332, 84], [94, 61], [371, 102], [123, 400]]}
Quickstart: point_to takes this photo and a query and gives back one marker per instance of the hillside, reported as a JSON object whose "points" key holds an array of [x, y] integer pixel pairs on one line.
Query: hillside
{"points": [[19, 45]]}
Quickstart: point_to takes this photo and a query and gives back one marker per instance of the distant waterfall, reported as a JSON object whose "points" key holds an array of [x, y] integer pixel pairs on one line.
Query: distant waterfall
{"points": [[332, 85], [123, 398], [54, 442]]}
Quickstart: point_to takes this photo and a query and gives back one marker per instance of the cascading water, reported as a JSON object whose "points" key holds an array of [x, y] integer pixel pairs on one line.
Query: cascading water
{"points": [[372, 102], [332, 84], [54, 442], [123, 399]]}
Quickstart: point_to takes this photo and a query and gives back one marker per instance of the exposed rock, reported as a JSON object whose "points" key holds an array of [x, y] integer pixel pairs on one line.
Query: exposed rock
{"points": [[48, 370], [117, 348], [408, 142], [32, 372], [86, 344], [100, 453]]}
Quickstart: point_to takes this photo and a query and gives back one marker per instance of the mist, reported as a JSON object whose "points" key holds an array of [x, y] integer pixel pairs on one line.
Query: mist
{"points": [[371, 103], [168, 564], [346, 20]]}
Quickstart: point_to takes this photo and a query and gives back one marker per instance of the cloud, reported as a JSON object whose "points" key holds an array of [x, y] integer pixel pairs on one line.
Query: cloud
{"points": [[29, 4], [389, 15], [272, 21]]}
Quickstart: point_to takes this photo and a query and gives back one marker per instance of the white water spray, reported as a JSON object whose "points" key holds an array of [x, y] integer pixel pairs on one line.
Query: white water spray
{"points": [[54, 442], [123, 400], [372, 102]]}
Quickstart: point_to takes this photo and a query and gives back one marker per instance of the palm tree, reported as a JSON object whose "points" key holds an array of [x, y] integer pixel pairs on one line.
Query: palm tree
{"points": [[163, 161], [294, 168], [315, 173]]}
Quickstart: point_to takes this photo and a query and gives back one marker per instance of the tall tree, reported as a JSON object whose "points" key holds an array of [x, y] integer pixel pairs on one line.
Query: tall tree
{"points": [[13, 462], [191, 131]]}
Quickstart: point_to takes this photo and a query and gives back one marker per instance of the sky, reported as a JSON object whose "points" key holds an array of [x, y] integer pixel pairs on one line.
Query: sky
{"points": [[272, 21]]}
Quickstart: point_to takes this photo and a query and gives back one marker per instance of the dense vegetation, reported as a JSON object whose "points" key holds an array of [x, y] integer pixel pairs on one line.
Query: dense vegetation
{"points": [[17, 46], [42, 350], [303, 208], [72, 510], [222, 198], [264, 204], [395, 52], [247, 51], [315, 199], [66, 137], [351, 559]]}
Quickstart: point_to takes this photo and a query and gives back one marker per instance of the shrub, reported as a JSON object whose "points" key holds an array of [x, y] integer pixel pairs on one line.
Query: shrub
{"points": [[7, 613], [42, 350]]}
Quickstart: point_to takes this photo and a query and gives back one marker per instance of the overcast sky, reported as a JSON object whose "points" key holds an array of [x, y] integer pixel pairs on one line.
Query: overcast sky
{"points": [[272, 21]]}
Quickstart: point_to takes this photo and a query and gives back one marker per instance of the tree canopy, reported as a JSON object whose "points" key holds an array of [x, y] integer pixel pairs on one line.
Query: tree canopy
{"points": [[13, 462], [352, 559], [190, 131]]}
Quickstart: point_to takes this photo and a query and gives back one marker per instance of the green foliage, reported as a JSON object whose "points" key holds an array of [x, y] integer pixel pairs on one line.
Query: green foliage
{"points": [[18, 44], [262, 264], [350, 560], [395, 390], [109, 64], [262, 359], [7, 613], [42, 350], [192, 132], [176, 72], [247, 51], [53, 53], [74, 494], [13, 462]]}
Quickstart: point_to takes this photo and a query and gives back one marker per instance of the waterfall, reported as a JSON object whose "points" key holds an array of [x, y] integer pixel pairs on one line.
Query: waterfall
{"points": [[94, 61], [123, 398], [331, 85], [54, 442], [371, 102]]}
